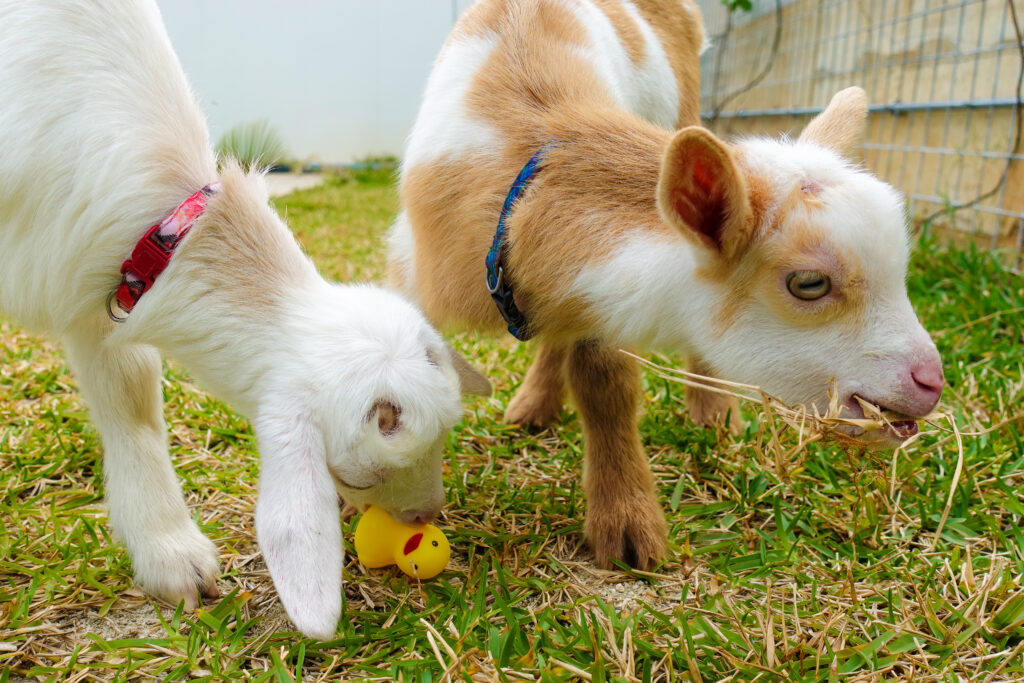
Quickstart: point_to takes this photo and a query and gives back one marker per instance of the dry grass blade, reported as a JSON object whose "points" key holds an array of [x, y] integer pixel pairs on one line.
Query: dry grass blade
{"points": [[953, 484], [810, 425]]}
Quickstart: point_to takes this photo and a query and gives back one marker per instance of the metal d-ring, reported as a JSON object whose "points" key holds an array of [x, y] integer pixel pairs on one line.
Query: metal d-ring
{"points": [[497, 281], [110, 311]]}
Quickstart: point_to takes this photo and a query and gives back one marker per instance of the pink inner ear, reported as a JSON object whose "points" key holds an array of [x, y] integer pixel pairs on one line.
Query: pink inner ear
{"points": [[700, 203], [811, 188], [412, 543], [388, 415], [703, 176]]}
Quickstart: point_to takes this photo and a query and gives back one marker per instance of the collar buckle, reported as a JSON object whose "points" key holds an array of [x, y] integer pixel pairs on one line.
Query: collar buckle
{"points": [[149, 257], [153, 252]]}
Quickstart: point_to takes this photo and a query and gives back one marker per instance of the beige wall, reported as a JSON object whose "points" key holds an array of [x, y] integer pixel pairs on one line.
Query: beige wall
{"points": [[902, 52]]}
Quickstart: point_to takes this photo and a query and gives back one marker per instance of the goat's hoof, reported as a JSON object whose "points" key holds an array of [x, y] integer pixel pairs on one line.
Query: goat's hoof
{"points": [[532, 410], [711, 410], [177, 566], [635, 535]]}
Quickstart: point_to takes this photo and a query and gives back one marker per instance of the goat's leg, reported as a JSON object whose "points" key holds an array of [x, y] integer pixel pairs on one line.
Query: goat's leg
{"points": [[710, 408], [624, 520], [540, 397], [171, 557]]}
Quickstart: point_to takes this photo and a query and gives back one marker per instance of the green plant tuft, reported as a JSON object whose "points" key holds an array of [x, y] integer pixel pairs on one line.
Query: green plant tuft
{"points": [[255, 145]]}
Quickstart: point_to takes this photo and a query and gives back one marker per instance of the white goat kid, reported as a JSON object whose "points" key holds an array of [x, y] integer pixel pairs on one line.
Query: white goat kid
{"points": [[349, 388]]}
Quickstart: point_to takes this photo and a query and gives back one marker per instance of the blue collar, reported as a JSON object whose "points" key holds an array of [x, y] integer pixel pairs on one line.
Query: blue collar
{"points": [[497, 283]]}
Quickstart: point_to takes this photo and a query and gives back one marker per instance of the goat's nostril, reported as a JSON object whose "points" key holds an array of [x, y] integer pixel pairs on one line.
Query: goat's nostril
{"points": [[929, 378]]}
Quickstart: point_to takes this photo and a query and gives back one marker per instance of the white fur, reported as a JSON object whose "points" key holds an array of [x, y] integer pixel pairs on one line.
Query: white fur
{"points": [[650, 91], [402, 257], [443, 127], [99, 139], [650, 294], [638, 293]]}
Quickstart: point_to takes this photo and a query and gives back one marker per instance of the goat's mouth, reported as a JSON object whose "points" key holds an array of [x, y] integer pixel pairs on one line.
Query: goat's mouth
{"points": [[894, 427]]}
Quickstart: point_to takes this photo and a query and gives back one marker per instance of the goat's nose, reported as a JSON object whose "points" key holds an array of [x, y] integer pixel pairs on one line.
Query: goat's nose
{"points": [[417, 517], [928, 380]]}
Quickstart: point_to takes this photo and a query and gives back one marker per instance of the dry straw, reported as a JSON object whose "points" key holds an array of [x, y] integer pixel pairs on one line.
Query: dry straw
{"points": [[810, 425]]}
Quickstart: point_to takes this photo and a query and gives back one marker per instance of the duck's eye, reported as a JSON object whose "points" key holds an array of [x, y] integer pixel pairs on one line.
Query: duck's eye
{"points": [[433, 543], [808, 284]]}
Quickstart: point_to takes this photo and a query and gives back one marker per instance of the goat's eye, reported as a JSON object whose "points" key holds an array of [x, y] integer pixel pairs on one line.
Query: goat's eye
{"points": [[353, 486], [363, 480], [808, 284]]}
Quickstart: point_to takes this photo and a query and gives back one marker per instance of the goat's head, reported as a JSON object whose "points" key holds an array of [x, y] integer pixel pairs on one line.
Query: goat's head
{"points": [[360, 407], [808, 256]]}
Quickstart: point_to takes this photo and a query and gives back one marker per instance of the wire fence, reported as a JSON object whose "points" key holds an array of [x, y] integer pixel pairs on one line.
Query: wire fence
{"points": [[944, 79]]}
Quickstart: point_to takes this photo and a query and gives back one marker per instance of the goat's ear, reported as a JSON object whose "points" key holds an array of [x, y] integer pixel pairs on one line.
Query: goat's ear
{"points": [[387, 415], [702, 194], [841, 124], [470, 379], [297, 521]]}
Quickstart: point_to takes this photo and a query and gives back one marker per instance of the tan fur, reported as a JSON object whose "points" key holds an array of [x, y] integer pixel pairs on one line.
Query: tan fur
{"points": [[472, 189], [508, 91], [614, 155], [807, 245], [738, 280], [451, 290], [798, 242], [625, 28], [554, 99], [539, 399], [480, 19], [842, 122], [624, 519], [680, 28], [710, 408]]}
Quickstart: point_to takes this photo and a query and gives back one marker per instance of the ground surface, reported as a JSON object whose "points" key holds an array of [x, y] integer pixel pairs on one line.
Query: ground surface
{"points": [[280, 184], [802, 564]]}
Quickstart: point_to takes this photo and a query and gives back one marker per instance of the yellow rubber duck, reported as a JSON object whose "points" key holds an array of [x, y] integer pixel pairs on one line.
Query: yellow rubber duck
{"points": [[420, 551]]}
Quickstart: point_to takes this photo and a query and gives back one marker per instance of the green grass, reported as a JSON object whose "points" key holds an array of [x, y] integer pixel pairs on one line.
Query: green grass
{"points": [[821, 566]]}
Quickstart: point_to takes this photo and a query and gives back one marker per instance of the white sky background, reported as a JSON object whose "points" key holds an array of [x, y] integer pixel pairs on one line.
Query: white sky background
{"points": [[339, 79]]}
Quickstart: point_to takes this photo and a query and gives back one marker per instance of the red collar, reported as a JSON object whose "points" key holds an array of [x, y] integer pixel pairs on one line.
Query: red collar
{"points": [[154, 251]]}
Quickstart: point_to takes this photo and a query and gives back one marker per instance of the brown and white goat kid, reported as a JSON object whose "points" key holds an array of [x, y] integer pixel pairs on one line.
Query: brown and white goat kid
{"points": [[774, 263], [350, 390]]}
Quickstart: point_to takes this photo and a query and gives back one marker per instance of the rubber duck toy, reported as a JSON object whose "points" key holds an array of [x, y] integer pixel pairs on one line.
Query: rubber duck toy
{"points": [[420, 551]]}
